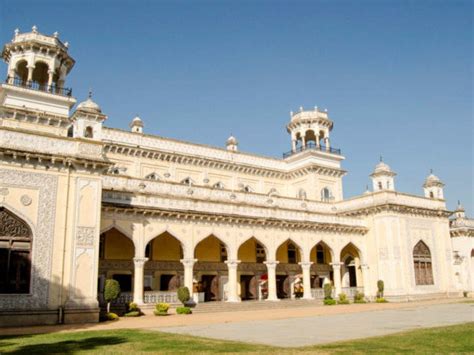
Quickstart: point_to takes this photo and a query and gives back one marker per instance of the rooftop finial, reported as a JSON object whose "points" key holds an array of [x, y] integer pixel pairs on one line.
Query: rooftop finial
{"points": [[381, 158], [431, 171], [17, 32], [90, 93], [34, 29], [56, 34], [301, 108], [459, 202]]}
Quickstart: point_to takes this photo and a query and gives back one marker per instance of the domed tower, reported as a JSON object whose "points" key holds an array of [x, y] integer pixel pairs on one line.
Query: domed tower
{"points": [[87, 120], [433, 187], [310, 129], [383, 177], [460, 212], [37, 68], [232, 144], [136, 126]]}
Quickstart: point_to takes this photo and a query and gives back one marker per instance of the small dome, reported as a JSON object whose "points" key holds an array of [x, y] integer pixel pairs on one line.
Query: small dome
{"points": [[89, 106], [460, 207], [432, 180], [137, 121], [232, 140], [382, 167]]}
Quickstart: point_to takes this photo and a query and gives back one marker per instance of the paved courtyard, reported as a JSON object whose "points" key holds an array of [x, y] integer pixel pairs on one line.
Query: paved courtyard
{"points": [[330, 328]]}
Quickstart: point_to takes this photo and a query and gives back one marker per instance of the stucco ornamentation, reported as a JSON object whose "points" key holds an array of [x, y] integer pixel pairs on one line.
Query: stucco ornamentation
{"points": [[26, 200], [85, 236], [43, 232], [11, 226]]}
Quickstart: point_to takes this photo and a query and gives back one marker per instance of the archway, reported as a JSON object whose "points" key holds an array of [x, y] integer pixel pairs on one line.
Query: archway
{"points": [[163, 270], [321, 269], [210, 271], [21, 72], [422, 264], [16, 241], [40, 75], [116, 252], [350, 271], [253, 276], [288, 254]]}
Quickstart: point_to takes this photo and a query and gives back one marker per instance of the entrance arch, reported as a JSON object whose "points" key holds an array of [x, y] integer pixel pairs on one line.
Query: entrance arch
{"points": [[288, 254], [16, 241], [253, 277], [350, 271], [321, 270]]}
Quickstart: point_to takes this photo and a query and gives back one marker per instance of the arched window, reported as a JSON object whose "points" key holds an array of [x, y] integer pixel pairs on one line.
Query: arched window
{"points": [[40, 75], [89, 132], [15, 254], [422, 264], [380, 185], [218, 185], [431, 194], [302, 194], [291, 253], [325, 194]]}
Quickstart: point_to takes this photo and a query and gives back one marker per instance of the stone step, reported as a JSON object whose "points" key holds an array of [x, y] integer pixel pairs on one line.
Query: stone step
{"points": [[210, 307]]}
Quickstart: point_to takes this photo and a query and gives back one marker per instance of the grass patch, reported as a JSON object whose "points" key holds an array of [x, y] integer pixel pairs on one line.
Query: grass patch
{"points": [[452, 339]]}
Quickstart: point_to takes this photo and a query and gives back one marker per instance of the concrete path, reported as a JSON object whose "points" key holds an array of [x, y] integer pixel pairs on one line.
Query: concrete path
{"points": [[304, 331]]}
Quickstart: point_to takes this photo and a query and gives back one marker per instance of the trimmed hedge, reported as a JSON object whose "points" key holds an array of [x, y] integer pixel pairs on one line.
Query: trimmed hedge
{"points": [[343, 299], [381, 300], [183, 310], [183, 294], [112, 316], [161, 309], [132, 314], [329, 302]]}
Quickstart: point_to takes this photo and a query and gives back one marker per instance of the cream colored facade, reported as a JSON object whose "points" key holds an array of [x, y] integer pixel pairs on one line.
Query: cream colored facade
{"points": [[83, 202]]}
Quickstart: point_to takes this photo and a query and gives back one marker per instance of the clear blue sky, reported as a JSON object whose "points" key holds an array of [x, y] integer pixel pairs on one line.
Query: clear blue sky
{"points": [[396, 76]]}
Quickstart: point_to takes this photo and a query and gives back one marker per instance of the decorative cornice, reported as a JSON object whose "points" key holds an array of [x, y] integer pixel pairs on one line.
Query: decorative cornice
{"points": [[194, 216], [397, 208]]}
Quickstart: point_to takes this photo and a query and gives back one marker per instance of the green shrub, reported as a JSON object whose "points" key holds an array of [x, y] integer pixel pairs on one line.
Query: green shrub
{"points": [[343, 299], [183, 310], [111, 292], [161, 309], [381, 300], [133, 314], [183, 294], [133, 307], [359, 297], [112, 316], [329, 302], [380, 288], [327, 291]]}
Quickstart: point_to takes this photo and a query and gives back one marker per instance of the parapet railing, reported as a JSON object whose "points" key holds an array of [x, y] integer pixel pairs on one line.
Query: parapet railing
{"points": [[34, 85], [312, 146]]}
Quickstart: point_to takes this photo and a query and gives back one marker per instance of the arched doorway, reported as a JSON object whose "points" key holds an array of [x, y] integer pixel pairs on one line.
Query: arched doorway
{"points": [[351, 275], [288, 270], [163, 270], [321, 269], [116, 252], [253, 272], [210, 269], [15, 253], [422, 264]]}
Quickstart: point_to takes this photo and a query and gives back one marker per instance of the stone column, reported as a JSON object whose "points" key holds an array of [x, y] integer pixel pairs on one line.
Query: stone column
{"points": [[50, 79], [293, 145], [365, 278], [271, 271], [232, 294], [328, 146], [306, 267], [303, 142], [336, 267], [138, 276], [30, 73], [188, 273]]}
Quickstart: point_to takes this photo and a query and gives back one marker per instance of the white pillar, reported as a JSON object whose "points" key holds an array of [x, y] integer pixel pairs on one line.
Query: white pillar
{"points": [[293, 145], [306, 267], [232, 294], [336, 267], [328, 146], [188, 273], [271, 271], [365, 278], [50, 79], [30, 73], [138, 275], [303, 142]]}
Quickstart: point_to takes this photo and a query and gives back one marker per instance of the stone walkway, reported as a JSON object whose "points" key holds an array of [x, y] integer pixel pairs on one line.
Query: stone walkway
{"points": [[304, 331]]}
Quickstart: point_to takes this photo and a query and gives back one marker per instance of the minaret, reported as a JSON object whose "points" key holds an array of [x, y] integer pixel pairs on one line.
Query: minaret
{"points": [[383, 178], [37, 68], [136, 126], [310, 129], [460, 212], [433, 187], [232, 144], [87, 120]]}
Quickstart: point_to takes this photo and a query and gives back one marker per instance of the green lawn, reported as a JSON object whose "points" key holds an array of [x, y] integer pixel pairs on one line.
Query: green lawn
{"points": [[453, 339]]}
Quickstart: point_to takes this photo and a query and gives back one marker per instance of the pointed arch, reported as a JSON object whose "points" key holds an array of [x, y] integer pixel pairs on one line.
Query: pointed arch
{"points": [[116, 245], [16, 242], [252, 250], [211, 248], [350, 257], [321, 253], [422, 264], [164, 247], [289, 252]]}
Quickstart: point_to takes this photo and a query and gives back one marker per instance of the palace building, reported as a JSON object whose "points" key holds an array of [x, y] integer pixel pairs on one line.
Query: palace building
{"points": [[81, 202]]}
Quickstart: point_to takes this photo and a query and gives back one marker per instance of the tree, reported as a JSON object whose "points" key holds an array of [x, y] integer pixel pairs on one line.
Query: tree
{"points": [[111, 292], [183, 295]]}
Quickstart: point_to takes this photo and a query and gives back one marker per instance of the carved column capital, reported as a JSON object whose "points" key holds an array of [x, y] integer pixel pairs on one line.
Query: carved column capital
{"points": [[271, 264], [364, 267], [188, 262], [232, 263], [139, 262], [305, 264], [336, 266]]}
